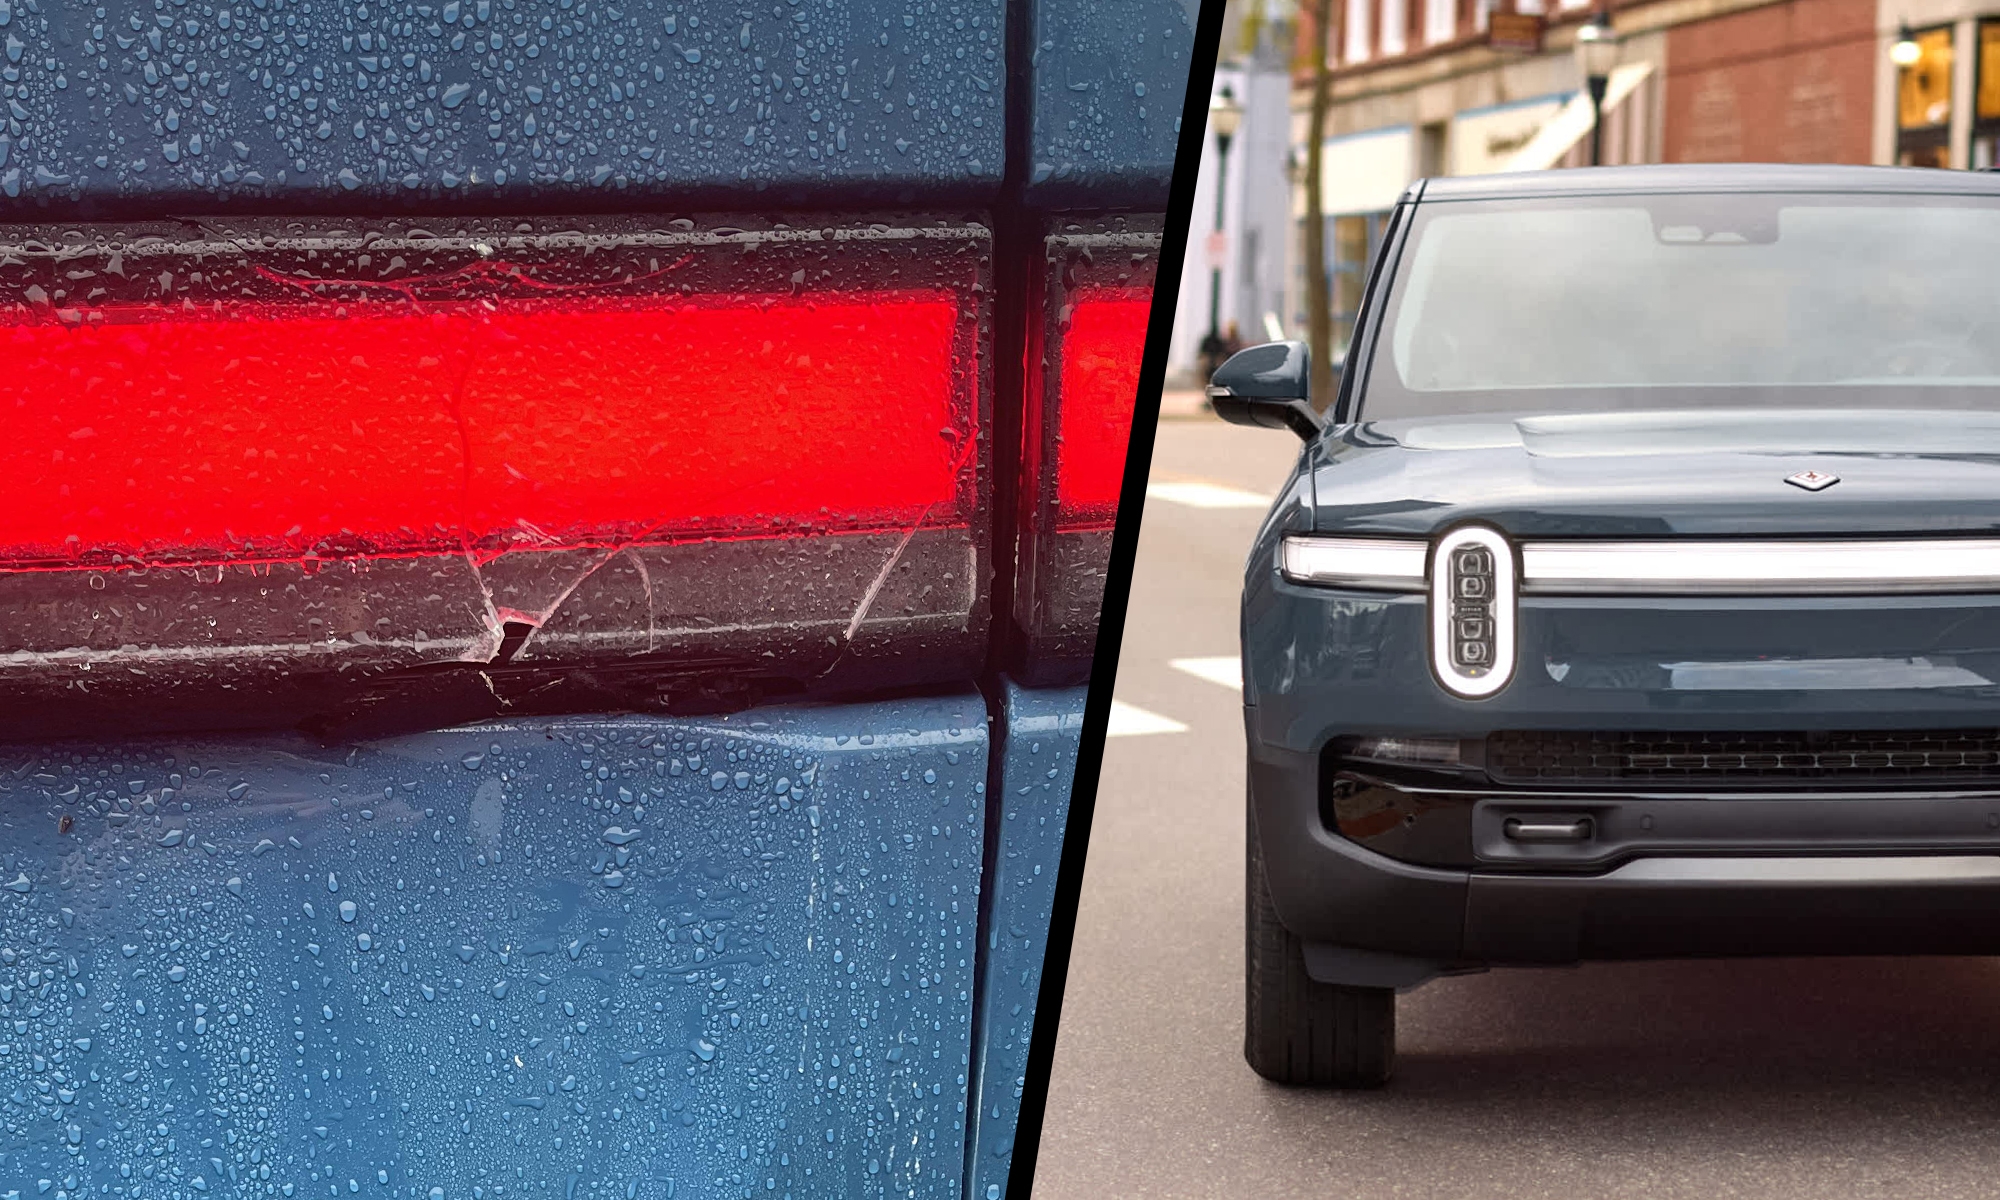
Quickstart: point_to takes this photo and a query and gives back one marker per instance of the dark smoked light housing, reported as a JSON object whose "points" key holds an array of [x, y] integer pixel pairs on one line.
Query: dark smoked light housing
{"points": [[1407, 751], [1086, 335], [485, 463]]}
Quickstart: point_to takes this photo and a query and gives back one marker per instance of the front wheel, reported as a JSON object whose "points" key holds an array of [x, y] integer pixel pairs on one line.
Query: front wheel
{"points": [[1299, 1030]]}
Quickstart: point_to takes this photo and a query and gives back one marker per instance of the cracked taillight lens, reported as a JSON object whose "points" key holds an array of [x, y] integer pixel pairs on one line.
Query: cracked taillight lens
{"points": [[1083, 372], [751, 454]]}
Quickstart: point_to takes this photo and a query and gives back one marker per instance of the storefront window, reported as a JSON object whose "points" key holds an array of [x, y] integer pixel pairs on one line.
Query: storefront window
{"points": [[1986, 99], [1351, 242], [1923, 102], [1352, 247]]}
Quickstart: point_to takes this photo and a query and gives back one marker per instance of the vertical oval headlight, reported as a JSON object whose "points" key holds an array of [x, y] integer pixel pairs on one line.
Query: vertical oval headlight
{"points": [[1472, 611]]}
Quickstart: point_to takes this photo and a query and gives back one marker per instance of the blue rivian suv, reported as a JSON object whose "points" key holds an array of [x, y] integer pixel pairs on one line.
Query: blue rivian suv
{"points": [[1636, 595]]}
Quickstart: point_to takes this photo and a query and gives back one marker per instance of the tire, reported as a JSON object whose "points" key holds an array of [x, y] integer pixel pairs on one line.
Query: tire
{"points": [[1297, 1029]]}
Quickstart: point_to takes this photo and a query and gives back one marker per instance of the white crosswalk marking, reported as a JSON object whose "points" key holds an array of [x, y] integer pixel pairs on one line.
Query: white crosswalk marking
{"points": [[1129, 720], [1196, 494], [1226, 669]]}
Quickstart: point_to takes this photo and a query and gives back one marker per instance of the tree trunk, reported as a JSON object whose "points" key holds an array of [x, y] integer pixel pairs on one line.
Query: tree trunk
{"points": [[1319, 300]]}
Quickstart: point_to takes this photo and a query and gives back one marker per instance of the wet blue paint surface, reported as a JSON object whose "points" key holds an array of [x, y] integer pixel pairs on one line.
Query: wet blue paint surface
{"points": [[1038, 747], [193, 101], [1110, 80], [579, 958], [200, 99]]}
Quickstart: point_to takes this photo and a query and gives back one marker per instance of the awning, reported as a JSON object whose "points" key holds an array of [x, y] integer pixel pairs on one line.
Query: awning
{"points": [[1573, 123], [1484, 140], [1363, 172]]}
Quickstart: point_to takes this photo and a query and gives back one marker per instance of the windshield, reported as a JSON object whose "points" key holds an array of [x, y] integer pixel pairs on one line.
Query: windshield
{"points": [[1590, 304]]}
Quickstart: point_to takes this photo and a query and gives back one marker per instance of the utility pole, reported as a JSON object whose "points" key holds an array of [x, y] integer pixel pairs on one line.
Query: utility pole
{"points": [[1319, 303]]}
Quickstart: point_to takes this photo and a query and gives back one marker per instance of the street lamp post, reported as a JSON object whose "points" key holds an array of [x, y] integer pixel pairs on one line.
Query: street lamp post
{"points": [[1596, 55], [1906, 52], [1225, 115]]}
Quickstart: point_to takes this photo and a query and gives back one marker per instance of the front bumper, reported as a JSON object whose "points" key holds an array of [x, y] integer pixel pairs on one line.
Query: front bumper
{"points": [[1783, 871]]}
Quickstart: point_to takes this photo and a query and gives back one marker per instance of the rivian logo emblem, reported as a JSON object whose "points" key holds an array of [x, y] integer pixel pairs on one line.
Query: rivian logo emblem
{"points": [[1472, 611], [1812, 481]]}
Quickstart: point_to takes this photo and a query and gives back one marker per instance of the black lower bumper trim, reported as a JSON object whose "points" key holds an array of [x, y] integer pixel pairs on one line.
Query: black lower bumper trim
{"points": [[1613, 829], [1557, 830], [1704, 907], [1331, 890]]}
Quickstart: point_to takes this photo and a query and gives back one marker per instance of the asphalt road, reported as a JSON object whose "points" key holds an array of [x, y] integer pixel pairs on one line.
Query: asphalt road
{"points": [[1794, 1078]]}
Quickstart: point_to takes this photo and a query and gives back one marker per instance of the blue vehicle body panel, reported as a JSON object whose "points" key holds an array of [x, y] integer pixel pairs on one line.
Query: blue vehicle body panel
{"points": [[499, 100], [1039, 739], [1109, 82], [580, 957], [518, 101], [773, 983]]}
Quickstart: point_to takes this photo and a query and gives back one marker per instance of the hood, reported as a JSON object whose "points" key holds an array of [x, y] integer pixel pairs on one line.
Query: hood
{"points": [[1708, 473]]}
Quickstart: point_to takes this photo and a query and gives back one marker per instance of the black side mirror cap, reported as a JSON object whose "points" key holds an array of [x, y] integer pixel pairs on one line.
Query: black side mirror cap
{"points": [[1268, 386]]}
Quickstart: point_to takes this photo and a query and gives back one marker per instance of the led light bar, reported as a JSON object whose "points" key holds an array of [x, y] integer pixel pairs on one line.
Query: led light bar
{"points": [[1371, 564], [1754, 568], [273, 431]]}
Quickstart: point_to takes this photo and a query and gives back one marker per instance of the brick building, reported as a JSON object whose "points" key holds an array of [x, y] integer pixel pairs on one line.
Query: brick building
{"points": [[1455, 87], [1788, 82]]}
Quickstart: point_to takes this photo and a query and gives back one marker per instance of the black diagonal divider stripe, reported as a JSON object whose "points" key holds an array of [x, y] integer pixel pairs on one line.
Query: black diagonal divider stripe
{"points": [[1117, 590]]}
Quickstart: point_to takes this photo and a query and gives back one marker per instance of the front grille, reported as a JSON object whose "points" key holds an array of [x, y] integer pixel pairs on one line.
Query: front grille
{"points": [[1918, 756]]}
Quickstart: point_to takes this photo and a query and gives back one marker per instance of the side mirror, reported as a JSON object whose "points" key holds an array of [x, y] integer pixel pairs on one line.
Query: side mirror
{"points": [[1267, 385]]}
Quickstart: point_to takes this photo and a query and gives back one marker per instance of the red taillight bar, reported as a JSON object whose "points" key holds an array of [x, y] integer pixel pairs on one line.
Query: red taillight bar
{"points": [[216, 433], [1087, 337], [1101, 347]]}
